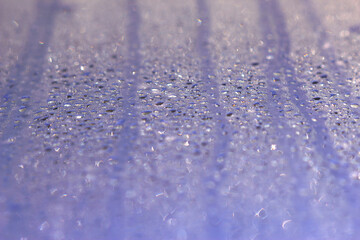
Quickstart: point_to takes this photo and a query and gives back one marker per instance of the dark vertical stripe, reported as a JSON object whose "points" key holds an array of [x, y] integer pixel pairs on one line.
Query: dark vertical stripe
{"points": [[351, 189], [277, 39], [275, 96], [322, 141], [24, 76], [215, 226], [129, 120]]}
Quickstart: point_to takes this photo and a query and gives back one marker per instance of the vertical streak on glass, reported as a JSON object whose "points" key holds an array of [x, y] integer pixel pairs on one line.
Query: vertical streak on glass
{"points": [[32, 59], [129, 120], [24, 77], [323, 142], [215, 226], [339, 75], [297, 95], [277, 39]]}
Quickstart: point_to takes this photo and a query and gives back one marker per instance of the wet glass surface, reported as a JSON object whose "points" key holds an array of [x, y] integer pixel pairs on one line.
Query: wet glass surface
{"points": [[193, 119]]}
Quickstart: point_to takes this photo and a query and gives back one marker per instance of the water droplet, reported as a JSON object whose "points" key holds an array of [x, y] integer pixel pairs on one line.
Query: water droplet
{"points": [[22, 109], [45, 225], [25, 98], [285, 223], [146, 112], [261, 214]]}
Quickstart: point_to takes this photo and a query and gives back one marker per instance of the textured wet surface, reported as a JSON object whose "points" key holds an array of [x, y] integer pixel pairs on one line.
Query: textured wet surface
{"points": [[193, 119]]}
